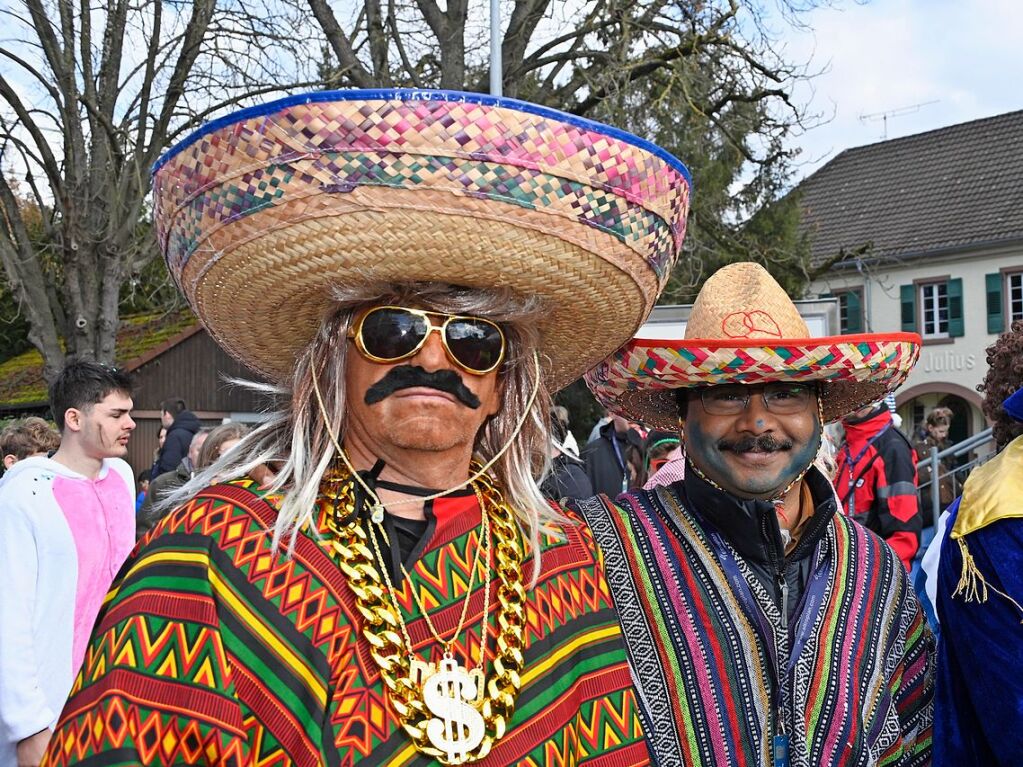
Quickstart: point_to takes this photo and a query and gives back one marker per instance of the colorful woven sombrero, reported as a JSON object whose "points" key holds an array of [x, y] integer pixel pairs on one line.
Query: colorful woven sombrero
{"points": [[260, 213], [744, 329]]}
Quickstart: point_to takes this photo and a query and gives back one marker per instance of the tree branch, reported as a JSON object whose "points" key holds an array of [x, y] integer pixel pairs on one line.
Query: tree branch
{"points": [[195, 32], [341, 45], [434, 18], [392, 24], [27, 280], [47, 160], [634, 71], [377, 42], [63, 73]]}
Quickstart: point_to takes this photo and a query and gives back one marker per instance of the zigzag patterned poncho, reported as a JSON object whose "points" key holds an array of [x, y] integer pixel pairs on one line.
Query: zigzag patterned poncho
{"points": [[214, 649]]}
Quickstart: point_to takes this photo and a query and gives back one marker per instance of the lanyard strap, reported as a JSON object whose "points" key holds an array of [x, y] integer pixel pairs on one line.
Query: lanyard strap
{"points": [[621, 461], [783, 648]]}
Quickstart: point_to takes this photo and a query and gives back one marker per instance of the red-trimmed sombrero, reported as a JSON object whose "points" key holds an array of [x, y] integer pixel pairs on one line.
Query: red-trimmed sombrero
{"points": [[745, 329], [260, 213]]}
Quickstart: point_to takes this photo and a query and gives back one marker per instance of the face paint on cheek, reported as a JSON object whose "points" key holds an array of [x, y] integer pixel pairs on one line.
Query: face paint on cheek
{"points": [[804, 456], [704, 448]]}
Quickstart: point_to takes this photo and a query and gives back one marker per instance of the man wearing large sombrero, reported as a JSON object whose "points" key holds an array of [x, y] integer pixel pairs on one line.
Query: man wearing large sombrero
{"points": [[417, 271], [763, 627]]}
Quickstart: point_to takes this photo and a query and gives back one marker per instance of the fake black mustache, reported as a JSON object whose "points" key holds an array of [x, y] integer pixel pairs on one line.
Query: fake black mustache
{"points": [[765, 443], [411, 376]]}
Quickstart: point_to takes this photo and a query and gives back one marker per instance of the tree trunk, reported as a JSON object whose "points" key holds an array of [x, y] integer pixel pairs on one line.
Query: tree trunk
{"points": [[113, 118]]}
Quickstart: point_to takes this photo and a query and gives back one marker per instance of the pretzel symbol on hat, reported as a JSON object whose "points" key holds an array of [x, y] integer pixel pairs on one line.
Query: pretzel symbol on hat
{"points": [[757, 323]]}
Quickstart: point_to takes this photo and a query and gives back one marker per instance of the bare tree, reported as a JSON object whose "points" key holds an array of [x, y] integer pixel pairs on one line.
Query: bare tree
{"points": [[703, 79], [90, 94]]}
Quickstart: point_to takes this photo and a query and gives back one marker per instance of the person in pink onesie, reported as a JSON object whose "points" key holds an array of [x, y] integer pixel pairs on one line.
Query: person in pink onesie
{"points": [[67, 523]]}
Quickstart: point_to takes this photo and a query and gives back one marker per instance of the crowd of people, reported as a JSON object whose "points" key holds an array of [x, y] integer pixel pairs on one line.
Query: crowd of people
{"points": [[415, 561]]}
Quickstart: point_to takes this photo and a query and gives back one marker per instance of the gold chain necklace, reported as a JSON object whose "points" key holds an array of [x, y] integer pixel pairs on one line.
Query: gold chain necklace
{"points": [[444, 709]]}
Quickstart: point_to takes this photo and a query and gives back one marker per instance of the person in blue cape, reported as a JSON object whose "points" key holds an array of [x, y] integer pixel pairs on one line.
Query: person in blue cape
{"points": [[978, 712]]}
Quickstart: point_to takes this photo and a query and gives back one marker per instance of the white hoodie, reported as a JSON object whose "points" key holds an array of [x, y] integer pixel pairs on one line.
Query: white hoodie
{"points": [[63, 537]]}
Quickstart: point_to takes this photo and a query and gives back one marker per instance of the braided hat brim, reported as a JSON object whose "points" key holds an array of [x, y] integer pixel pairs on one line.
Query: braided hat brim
{"points": [[262, 213], [639, 380]]}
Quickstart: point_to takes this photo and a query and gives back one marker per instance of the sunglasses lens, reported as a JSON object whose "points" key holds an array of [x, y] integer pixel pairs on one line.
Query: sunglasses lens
{"points": [[392, 333], [477, 345]]}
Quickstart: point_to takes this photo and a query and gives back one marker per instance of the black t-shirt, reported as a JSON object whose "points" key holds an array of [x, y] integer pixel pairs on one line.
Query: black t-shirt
{"points": [[409, 533], [412, 535]]}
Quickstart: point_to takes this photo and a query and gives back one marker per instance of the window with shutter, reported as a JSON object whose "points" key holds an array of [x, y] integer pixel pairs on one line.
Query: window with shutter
{"points": [[934, 310], [1014, 295], [995, 315], [956, 325], [854, 312], [907, 296], [850, 309]]}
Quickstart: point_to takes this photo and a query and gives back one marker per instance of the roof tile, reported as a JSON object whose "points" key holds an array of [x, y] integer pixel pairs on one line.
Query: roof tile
{"points": [[947, 188]]}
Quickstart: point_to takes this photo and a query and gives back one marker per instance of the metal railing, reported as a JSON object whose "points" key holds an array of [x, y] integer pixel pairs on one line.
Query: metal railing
{"points": [[958, 474]]}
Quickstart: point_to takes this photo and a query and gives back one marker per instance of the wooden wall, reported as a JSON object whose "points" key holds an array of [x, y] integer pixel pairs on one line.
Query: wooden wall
{"points": [[193, 370]]}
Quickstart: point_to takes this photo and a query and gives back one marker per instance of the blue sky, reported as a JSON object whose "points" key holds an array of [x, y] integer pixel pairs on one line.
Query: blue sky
{"points": [[959, 60]]}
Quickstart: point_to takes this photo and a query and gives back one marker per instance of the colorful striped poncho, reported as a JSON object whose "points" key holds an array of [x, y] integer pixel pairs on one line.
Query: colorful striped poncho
{"points": [[213, 649], [704, 635]]}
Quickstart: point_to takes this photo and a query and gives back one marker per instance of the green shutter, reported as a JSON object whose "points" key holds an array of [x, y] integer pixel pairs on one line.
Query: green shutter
{"points": [[853, 312], [955, 307], [907, 295], [995, 315]]}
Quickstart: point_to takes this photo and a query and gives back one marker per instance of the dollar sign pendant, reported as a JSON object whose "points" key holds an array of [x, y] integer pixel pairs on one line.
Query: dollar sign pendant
{"points": [[452, 695]]}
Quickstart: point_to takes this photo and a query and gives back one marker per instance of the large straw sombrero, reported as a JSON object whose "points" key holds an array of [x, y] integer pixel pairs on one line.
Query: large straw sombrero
{"points": [[744, 328], [260, 213]]}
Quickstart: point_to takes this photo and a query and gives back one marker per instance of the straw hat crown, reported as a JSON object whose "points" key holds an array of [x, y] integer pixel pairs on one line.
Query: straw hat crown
{"points": [[744, 301]]}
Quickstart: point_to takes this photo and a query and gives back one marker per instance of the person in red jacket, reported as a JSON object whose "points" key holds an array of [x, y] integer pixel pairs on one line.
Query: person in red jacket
{"points": [[876, 479]]}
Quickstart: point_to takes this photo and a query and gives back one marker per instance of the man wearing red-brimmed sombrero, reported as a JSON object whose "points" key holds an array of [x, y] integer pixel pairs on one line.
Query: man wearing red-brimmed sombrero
{"points": [[763, 627], [416, 271]]}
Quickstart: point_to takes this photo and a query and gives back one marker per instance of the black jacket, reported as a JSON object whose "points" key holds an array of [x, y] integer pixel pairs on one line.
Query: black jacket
{"points": [[175, 446], [751, 527], [566, 480], [159, 489], [602, 465]]}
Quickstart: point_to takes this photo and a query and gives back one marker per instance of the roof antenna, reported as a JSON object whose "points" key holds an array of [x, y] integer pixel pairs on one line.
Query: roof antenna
{"points": [[897, 112]]}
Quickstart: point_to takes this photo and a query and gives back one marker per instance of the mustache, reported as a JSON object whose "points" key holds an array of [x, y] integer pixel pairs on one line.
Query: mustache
{"points": [[413, 376], [765, 443]]}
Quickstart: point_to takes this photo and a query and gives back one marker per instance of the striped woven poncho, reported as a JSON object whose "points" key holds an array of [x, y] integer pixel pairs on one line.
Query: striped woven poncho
{"points": [[214, 649], [703, 636]]}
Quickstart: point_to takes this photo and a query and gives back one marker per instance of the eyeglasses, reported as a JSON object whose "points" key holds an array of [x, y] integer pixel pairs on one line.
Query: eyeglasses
{"points": [[391, 333], [779, 398]]}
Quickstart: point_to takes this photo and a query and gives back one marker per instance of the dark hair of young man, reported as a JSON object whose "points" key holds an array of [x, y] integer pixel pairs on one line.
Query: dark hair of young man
{"points": [[175, 406], [82, 384]]}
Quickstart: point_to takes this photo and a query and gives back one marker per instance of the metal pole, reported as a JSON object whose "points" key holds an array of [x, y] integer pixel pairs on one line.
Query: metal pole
{"points": [[935, 487], [495, 48]]}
